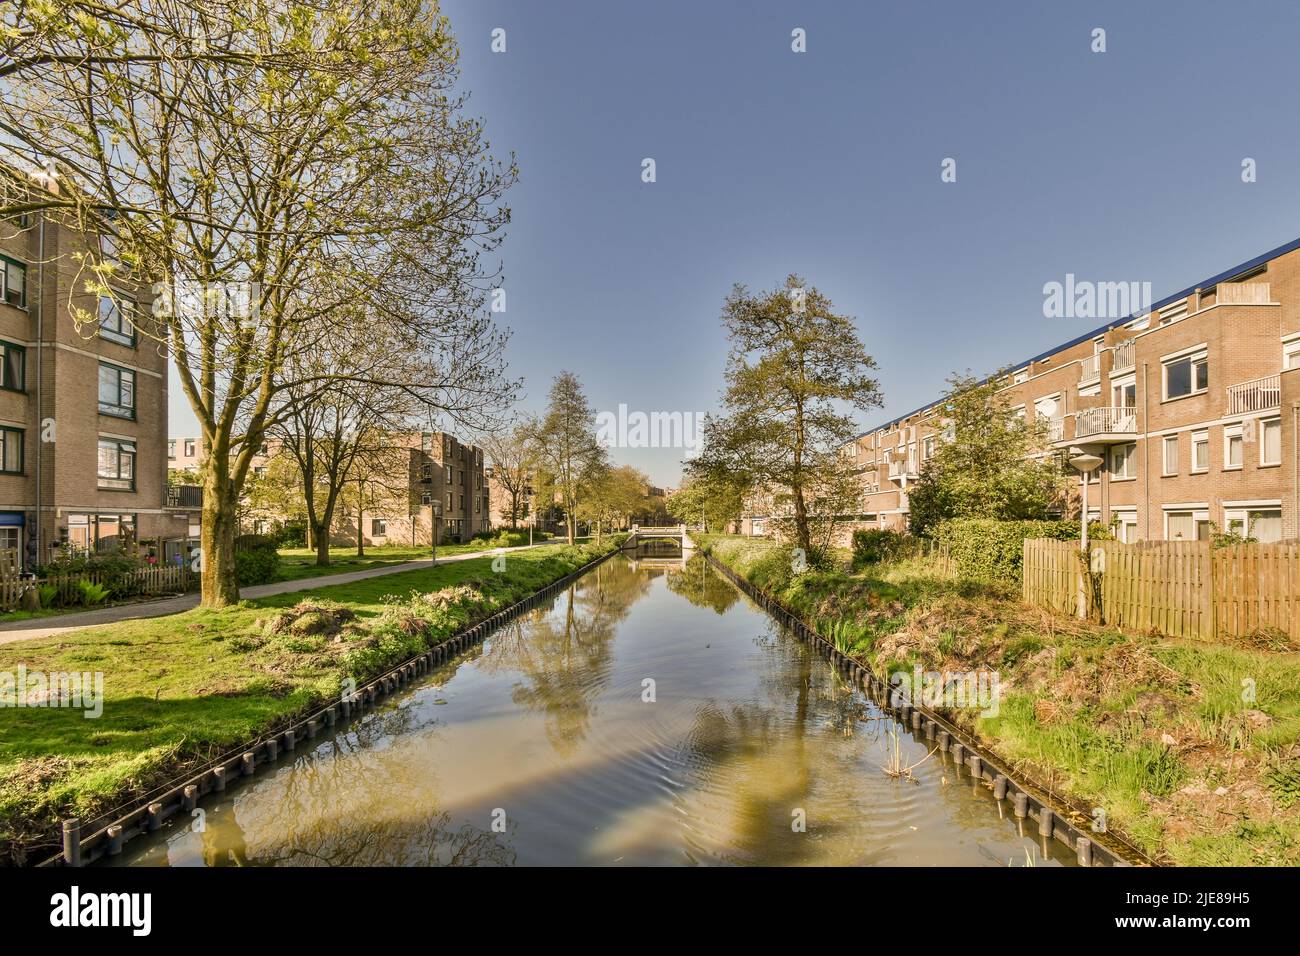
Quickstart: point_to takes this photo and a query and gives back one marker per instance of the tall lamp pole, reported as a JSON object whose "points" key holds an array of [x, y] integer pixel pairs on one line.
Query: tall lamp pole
{"points": [[1085, 464]]}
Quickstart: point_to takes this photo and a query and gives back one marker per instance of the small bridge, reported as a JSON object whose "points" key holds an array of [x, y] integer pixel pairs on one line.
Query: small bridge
{"points": [[675, 532]]}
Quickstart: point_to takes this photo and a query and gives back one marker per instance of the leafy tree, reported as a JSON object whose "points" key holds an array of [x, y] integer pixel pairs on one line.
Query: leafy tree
{"points": [[990, 463], [564, 443], [717, 499], [795, 369], [291, 179], [613, 495]]}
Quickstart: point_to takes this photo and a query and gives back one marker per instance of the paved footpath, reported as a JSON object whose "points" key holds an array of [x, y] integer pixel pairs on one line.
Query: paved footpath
{"points": [[63, 623]]}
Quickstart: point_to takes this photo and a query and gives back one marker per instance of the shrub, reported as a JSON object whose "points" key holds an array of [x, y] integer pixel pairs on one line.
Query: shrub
{"points": [[871, 545], [988, 549], [256, 560], [47, 593]]}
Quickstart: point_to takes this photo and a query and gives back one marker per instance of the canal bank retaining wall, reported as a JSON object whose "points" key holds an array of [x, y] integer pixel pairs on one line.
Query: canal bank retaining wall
{"points": [[185, 793], [1028, 801]]}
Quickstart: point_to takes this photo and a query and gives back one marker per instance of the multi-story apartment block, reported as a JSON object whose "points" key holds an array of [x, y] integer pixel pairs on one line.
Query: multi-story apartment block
{"points": [[422, 469], [83, 406], [1192, 405], [184, 454]]}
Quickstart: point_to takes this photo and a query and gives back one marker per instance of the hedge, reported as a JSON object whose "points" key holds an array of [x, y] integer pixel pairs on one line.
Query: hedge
{"points": [[985, 548]]}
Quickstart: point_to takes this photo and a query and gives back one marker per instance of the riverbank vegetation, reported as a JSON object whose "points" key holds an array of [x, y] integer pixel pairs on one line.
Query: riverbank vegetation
{"points": [[1186, 747], [180, 690]]}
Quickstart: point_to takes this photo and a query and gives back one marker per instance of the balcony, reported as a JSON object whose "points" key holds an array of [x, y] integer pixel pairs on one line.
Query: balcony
{"points": [[1090, 369], [902, 470], [185, 496], [1055, 429], [1105, 425], [1125, 356], [1258, 395]]}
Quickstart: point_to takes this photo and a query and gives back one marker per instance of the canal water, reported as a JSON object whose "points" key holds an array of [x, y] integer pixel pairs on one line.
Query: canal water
{"points": [[649, 715]]}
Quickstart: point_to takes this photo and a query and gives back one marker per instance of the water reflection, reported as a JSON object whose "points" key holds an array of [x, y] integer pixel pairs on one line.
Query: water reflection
{"points": [[544, 746]]}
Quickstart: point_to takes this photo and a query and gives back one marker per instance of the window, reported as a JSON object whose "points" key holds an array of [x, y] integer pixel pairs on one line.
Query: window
{"points": [[1124, 394], [1126, 525], [447, 474], [449, 501], [116, 391], [13, 366], [1187, 526], [1232, 447], [189, 448], [927, 448], [9, 538], [100, 533], [1187, 376], [1263, 524], [11, 450], [1171, 454], [1123, 462], [116, 319], [171, 449], [1200, 451], [13, 282], [1270, 441], [1291, 354], [378, 527], [116, 464]]}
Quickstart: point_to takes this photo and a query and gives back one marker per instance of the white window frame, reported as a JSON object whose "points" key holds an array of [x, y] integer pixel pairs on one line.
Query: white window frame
{"points": [[1264, 424], [1200, 514], [1192, 356], [1129, 472], [1164, 455], [1201, 439], [1230, 432], [1127, 518], [1291, 352], [1242, 511]]}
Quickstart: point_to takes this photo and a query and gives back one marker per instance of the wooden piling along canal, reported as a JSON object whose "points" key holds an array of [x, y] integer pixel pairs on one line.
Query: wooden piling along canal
{"points": [[1029, 801], [184, 794]]}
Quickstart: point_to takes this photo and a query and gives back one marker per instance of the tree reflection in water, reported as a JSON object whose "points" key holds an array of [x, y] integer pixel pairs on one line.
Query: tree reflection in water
{"points": [[564, 652], [702, 586]]}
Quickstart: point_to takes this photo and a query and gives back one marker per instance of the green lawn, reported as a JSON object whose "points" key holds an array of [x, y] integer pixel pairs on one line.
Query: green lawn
{"points": [[1189, 747], [183, 688], [298, 563]]}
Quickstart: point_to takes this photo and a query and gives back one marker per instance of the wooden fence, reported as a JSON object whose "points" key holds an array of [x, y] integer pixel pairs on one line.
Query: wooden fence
{"points": [[141, 582], [1183, 589]]}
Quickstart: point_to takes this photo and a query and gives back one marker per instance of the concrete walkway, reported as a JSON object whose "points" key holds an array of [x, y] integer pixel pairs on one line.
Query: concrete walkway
{"points": [[63, 623]]}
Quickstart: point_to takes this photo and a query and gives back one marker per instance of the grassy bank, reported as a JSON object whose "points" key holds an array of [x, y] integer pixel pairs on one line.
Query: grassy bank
{"points": [[299, 563], [1189, 748], [181, 689]]}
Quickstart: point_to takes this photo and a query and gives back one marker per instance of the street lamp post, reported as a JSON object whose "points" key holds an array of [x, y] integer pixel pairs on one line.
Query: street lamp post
{"points": [[435, 512], [1085, 464]]}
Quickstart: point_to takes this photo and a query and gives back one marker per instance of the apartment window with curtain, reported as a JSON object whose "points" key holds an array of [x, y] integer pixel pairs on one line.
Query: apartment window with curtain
{"points": [[13, 367], [1171, 454], [116, 464], [13, 282], [1187, 526], [1232, 448], [1200, 451], [116, 315], [1123, 462], [11, 450], [116, 391], [1262, 524], [1270, 441]]}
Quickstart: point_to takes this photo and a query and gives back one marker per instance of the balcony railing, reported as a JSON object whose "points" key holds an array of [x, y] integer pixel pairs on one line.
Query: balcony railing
{"points": [[1243, 293], [1090, 368], [1105, 420], [1258, 395], [184, 496], [1055, 429], [1125, 356]]}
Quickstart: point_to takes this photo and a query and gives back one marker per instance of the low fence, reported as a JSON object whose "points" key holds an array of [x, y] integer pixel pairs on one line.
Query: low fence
{"points": [[141, 582], [1183, 589]]}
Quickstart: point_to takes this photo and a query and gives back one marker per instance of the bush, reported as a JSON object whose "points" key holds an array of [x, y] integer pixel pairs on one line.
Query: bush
{"points": [[92, 593], [871, 545], [256, 560], [985, 548], [292, 534]]}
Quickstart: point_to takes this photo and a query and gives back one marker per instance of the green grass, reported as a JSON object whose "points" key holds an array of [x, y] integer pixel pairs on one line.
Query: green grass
{"points": [[299, 563], [181, 689], [1087, 709]]}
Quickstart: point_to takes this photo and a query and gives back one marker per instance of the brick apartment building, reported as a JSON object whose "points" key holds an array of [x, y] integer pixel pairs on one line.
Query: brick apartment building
{"points": [[427, 467], [1193, 406], [82, 410]]}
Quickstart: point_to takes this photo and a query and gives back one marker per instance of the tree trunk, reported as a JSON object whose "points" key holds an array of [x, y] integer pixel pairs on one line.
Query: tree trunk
{"points": [[361, 541], [217, 576], [321, 533]]}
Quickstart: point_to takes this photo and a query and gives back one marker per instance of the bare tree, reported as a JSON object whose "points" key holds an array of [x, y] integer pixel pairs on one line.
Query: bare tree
{"points": [[513, 461], [564, 443]]}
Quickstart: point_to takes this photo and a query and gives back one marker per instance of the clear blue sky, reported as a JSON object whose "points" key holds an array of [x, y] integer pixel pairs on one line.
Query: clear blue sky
{"points": [[1123, 165]]}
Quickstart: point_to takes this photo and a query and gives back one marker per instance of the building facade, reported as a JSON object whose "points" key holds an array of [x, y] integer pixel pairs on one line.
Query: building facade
{"points": [[1193, 407], [83, 406]]}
